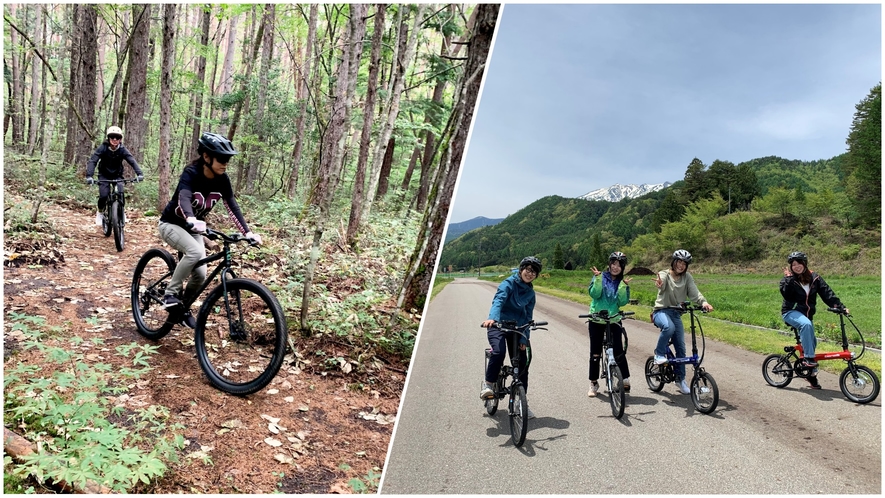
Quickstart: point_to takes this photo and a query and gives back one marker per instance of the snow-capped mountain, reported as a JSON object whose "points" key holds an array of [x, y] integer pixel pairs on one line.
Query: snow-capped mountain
{"points": [[617, 191]]}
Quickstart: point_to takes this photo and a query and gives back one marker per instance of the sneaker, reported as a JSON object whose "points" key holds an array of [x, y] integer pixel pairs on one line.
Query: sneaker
{"points": [[125, 219], [187, 320], [528, 414], [809, 363], [487, 391], [594, 389], [627, 385], [660, 360], [99, 219], [170, 301], [814, 384], [683, 387]]}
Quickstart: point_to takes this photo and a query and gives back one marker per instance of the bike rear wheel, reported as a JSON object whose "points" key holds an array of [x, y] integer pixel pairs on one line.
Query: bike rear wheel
{"points": [[149, 281], [777, 370], [704, 393], [492, 404], [241, 336], [519, 409], [653, 375], [860, 387], [618, 397], [117, 224]]}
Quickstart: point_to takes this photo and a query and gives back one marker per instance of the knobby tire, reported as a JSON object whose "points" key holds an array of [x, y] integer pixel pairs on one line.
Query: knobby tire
{"points": [[149, 281], [117, 224]]}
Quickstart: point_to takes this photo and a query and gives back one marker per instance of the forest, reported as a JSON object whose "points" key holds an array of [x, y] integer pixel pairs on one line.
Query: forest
{"points": [[733, 217], [350, 121]]}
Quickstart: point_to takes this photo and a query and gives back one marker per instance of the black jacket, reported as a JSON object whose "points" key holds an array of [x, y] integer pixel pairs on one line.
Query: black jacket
{"points": [[110, 162], [795, 297]]}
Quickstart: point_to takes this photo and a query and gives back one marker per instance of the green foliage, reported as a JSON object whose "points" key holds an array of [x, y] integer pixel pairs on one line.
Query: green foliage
{"points": [[366, 484], [863, 164], [71, 409], [558, 262]]}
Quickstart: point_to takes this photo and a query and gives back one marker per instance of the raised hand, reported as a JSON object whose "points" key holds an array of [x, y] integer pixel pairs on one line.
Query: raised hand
{"points": [[595, 271]]}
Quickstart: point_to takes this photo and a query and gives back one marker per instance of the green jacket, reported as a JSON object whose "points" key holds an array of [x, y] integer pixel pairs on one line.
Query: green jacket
{"points": [[605, 299]]}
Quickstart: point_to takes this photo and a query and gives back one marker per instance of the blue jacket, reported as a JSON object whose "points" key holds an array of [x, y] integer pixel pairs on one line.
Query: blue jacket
{"points": [[514, 300]]}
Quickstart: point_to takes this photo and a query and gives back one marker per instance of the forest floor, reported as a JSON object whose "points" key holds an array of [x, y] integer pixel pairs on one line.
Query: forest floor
{"points": [[343, 431]]}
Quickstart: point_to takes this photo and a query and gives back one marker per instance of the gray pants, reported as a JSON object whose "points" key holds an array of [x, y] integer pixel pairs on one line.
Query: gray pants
{"points": [[192, 250]]}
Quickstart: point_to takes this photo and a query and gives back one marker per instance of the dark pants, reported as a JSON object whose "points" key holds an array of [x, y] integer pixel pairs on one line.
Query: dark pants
{"points": [[501, 341], [104, 190], [597, 332]]}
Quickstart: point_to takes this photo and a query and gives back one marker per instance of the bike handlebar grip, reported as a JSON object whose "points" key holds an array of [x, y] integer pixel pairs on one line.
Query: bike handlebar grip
{"points": [[540, 324], [628, 313], [583, 316]]}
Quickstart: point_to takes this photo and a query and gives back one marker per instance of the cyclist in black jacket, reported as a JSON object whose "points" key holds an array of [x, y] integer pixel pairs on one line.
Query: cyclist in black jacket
{"points": [[109, 157], [800, 288]]}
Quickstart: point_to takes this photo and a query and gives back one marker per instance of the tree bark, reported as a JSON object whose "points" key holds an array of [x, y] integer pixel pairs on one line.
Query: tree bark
{"points": [[386, 165], [16, 104], [33, 121], [429, 139], [417, 282], [304, 91], [245, 86], [227, 69], [407, 177], [266, 61], [165, 155], [136, 103], [201, 74]]}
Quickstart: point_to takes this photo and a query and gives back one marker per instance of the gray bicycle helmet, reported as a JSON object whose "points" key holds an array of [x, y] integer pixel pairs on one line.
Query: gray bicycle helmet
{"points": [[620, 257], [216, 145], [797, 256], [681, 255], [532, 261]]}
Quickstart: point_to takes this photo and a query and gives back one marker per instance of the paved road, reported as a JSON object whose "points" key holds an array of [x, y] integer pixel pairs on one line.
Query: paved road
{"points": [[759, 439]]}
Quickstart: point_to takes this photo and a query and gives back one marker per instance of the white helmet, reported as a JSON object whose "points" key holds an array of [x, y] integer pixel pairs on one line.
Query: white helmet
{"points": [[114, 130]]}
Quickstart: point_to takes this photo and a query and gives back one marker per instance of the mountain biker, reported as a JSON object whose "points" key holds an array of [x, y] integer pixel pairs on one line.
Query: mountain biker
{"points": [[608, 294], [800, 288], [675, 286], [514, 300], [202, 184], [110, 156]]}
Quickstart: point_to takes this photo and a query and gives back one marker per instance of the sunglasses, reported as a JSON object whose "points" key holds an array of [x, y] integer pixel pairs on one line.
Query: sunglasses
{"points": [[223, 159], [115, 137]]}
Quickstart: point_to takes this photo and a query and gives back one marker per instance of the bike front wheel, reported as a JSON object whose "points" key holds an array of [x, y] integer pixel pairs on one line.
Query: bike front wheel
{"points": [[618, 397], [861, 386], [777, 370], [149, 281], [704, 393], [653, 375], [240, 336], [117, 224], [519, 415]]}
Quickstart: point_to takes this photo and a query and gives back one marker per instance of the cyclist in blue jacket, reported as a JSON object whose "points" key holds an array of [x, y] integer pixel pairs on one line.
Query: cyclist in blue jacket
{"points": [[514, 300]]}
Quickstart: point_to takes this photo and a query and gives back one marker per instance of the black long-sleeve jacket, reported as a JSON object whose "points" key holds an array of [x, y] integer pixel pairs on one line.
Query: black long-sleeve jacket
{"points": [[795, 297], [110, 162]]}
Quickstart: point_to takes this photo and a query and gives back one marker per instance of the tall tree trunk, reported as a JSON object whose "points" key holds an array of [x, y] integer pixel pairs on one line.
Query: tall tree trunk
{"points": [[71, 123], [386, 165], [136, 103], [303, 96], [123, 44], [17, 101], [163, 161], [330, 161], [227, 76], [245, 86], [81, 110], [35, 84], [392, 109], [417, 282], [201, 74], [359, 182], [429, 139], [266, 61]]}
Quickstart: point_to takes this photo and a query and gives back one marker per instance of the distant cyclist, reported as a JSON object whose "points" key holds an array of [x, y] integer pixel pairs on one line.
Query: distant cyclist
{"points": [[109, 157], [609, 290], [514, 300], [675, 286], [800, 288], [202, 184]]}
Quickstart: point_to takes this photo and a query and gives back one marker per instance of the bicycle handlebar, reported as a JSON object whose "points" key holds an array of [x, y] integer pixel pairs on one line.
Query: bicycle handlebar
{"points": [[603, 315], [232, 238], [838, 311], [120, 180], [507, 327]]}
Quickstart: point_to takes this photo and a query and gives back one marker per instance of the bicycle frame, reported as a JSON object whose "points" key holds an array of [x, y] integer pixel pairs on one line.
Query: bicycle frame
{"points": [[845, 354], [694, 359]]}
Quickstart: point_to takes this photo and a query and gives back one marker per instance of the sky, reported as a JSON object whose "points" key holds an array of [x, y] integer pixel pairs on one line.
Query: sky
{"points": [[581, 97]]}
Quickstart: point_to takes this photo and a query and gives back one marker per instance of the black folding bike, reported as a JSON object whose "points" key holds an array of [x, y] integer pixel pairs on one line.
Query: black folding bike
{"points": [[611, 372]]}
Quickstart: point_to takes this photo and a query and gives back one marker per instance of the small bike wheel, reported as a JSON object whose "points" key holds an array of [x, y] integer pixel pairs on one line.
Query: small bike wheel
{"points": [[704, 393], [106, 223], [240, 336], [777, 370], [653, 375], [860, 387], [117, 224], [492, 404], [152, 274], [519, 415], [618, 397]]}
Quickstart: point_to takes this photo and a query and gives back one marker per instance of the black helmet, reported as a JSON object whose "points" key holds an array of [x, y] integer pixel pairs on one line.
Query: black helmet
{"points": [[797, 256], [681, 255], [216, 145], [532, 261], [620, 257]]}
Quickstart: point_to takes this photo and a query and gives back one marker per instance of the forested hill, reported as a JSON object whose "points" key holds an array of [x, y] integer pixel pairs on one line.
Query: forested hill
{"points": [[775, 204]]}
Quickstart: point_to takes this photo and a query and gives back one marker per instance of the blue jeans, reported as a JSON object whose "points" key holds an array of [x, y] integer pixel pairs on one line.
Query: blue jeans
{"points": [[670, 323], [500, 342], [801, 322]]}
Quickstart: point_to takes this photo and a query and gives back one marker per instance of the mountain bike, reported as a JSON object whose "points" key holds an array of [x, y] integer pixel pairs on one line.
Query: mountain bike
{"points": [[611, 372], [703, 389], [112, 216], [240, 333], [857, 382], [518, 406]]}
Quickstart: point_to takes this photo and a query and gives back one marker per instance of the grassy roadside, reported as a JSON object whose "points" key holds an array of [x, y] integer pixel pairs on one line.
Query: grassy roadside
{"points": [[731, 296]]}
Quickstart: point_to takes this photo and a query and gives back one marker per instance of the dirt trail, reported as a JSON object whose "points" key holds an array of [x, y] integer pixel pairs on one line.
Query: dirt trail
{"points": [[83, 276]]}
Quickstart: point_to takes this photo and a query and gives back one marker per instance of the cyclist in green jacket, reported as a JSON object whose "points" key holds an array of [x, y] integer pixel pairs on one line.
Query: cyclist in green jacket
{"points": [[609, 290]]}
